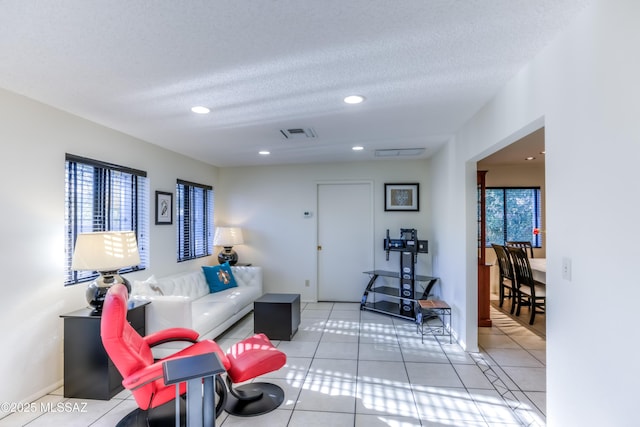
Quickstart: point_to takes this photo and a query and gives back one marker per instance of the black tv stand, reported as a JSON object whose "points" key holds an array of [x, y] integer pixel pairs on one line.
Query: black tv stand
{"points": [[400, 300]]}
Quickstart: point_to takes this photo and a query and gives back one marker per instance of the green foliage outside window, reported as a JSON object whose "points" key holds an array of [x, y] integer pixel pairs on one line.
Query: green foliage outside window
{"points": [[512, 214]]}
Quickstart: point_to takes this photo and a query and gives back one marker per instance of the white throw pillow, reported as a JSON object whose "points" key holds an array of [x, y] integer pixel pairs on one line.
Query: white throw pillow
{"points": [[146, 288]]}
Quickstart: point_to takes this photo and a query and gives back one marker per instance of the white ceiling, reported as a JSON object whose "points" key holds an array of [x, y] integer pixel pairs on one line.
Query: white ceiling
{"points": [[425, 67], [527, 151]]}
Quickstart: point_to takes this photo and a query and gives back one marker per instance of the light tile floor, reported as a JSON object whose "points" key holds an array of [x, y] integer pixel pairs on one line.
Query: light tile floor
{"points": [[348, 367]]}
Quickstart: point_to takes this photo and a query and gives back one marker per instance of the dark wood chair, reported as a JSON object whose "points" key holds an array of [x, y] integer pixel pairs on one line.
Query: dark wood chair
{"points": [[529, 292], [507, 278], [524, 245]]}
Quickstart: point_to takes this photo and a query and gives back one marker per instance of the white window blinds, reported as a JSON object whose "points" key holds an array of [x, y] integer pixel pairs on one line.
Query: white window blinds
{"points": [[194, 220], [100, 196]]}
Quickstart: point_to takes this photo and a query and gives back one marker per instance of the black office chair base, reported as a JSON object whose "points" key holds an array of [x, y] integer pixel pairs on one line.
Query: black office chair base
{"points": [[165, 415], [272, 397], [162, 416]]}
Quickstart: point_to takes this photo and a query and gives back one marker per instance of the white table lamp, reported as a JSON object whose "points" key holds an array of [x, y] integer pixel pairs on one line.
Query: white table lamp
{"points": [[105, 252], [227, 237]]}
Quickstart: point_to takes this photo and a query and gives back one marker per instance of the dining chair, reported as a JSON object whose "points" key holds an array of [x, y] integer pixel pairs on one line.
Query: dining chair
{"points": [[521, 244], [528, 291], [507, 279]]}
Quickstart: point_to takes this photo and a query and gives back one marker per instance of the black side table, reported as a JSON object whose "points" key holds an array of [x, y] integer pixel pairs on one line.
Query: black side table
{"points": [[277, 315], [88, 371]]}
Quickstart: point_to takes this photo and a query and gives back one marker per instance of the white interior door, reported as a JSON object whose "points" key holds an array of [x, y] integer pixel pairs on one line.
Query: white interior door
{"points": [[345, 240]]}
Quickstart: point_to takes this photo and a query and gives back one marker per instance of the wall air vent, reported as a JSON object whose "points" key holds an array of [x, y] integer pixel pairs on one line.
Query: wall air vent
{"points": [[399, 152], [298, 133]]}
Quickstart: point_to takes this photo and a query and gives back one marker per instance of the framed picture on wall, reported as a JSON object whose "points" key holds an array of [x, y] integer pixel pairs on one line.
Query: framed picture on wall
{"points": [[164, 208], [401, 197]]}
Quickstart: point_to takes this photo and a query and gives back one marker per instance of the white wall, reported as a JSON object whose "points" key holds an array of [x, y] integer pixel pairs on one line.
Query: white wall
{"points": [[515, 176], [268, 202], [583, 88], [451, 232], [34, 139]]}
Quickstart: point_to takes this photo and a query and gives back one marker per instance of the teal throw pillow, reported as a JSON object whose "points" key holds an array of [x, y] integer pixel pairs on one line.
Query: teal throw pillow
{"points": [[219, 277]]}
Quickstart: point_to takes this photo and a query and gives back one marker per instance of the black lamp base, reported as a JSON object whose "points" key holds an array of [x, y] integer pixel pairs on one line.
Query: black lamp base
{"points": [[97, 290], [228, 255]]}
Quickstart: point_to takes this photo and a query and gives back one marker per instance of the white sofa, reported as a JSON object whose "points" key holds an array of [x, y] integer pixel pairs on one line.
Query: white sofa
{"points": [[183, 300]]}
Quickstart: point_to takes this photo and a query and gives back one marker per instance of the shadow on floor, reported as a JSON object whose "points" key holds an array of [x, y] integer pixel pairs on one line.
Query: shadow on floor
{"points": [[539, 327]]}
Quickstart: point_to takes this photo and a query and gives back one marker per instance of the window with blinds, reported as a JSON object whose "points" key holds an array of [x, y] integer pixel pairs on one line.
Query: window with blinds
{"points": [[100, 196], [512, 214], [194, 220]]}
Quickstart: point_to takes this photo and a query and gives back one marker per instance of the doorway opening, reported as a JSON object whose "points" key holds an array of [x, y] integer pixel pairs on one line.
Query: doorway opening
{"points": [[520, 164]]}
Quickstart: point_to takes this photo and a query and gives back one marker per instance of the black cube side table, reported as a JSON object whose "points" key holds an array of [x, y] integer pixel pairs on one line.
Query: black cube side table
{"points": [[89, 373], [277, 315]]}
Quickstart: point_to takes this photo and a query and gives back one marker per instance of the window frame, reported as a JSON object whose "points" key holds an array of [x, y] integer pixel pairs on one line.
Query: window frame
{"points": [[536, 239], [194, 222], [109, 180]]}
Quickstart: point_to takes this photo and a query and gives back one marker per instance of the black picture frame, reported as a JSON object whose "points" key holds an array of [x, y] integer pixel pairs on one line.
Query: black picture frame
{"points": [[164, 208], [402, 197]]}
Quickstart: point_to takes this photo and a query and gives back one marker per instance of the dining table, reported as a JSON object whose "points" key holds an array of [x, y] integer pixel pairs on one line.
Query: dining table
{"points": [[539, 269]]}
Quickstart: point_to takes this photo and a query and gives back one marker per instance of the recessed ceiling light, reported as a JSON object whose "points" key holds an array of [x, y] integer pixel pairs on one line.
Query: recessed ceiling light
{"points": [[357, 148], [264, 153], [530, 158], [354, 99], [200, 110]]}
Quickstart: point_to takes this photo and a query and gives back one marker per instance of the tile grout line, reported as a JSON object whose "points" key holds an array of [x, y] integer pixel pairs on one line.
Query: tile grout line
{"points": [[313, 357], [512, 401], [460, 378], [410, 384], [498, 326], [492, 377]]}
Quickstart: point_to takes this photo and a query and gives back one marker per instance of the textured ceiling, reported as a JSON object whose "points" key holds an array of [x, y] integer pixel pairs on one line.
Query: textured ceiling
{"points": [[425, 67]]}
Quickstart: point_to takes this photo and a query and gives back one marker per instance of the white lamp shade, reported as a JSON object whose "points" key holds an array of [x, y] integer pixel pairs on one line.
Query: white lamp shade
{"points": [[105, 251], [228, 236]]}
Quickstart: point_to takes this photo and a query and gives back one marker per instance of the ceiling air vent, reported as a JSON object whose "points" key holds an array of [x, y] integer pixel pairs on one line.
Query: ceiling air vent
{"points": [[298, 133], [399, 152]]}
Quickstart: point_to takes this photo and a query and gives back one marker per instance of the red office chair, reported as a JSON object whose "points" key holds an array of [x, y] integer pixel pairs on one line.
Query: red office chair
{"points": [[131, 354]]}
